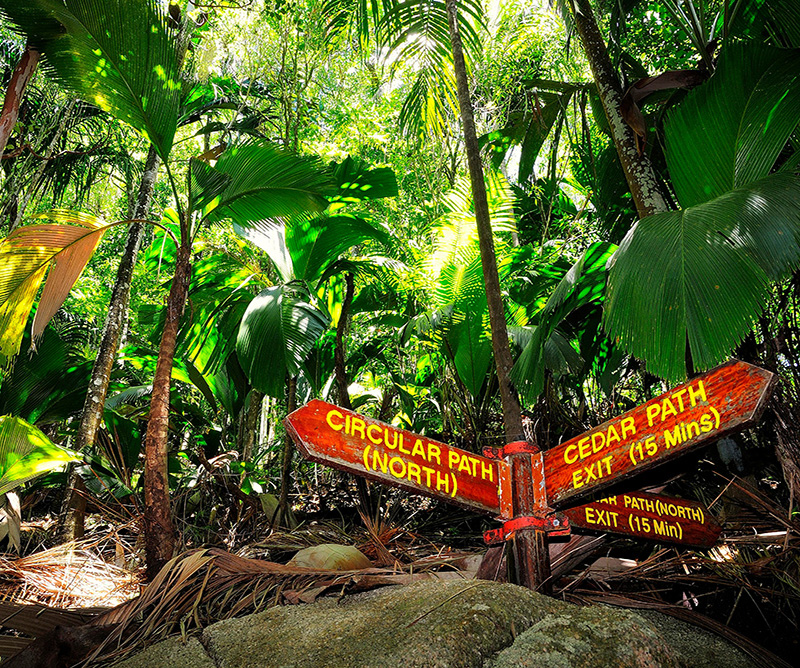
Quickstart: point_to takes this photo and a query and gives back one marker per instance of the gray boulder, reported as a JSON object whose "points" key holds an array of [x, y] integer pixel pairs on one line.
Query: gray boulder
{"points": [[440, 624]]}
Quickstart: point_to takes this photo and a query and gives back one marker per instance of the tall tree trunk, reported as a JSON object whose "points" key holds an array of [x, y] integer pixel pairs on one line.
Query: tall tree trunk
{"points": [[282, 514], [531, 558], [512, 416], [339, 353], [250, 424], [93, 405], [158, 528], [22, 74], [340, 374], [638, 169]]}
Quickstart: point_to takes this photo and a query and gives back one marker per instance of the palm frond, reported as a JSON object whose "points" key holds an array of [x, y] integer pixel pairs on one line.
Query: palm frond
{"points": [[116, 54], [729, 132], [276, 334], [264, 182], [25, 256], [703, 274]]}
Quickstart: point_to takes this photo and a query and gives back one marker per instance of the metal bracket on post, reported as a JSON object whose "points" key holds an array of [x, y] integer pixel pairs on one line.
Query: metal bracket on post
{"points": [[543, 518]]}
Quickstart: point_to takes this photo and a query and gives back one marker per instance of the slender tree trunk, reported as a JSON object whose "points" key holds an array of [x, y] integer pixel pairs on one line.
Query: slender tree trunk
{"points": [[158, 528], [250, 424], [22, 74], [282, 514], [339, 353], [92, 415], [512, 417], [340, 374], [529, 546], [637, 167]]}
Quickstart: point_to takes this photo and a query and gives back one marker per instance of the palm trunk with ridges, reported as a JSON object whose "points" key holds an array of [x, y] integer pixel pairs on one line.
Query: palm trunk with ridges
{"points": [[92, 415], [158, 529], [636, 165], [529, 546]]}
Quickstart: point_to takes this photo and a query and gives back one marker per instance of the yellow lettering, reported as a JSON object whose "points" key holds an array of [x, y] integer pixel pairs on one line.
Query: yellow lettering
{"points": [[597, 444], [667, 409], [679, 397], [381, 459], [629, 427], [699, 394], [400, 447], [428, 472], [391, 445], [652, 411], [418, 450], [453, 458], [577, 481], [692, 427], [376, 441], [334, 413], [567, 455], [434, 452], [583, 448], [612, 436], [590, 516], [463, 465], [357, 425], [401, 473], [414, 472], [673, 437], [443, 481], [487, 469], [706, 423]]}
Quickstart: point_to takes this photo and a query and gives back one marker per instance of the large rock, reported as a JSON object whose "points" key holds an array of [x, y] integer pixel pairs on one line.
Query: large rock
{"points": [[588, 638], [425, 625], [450, 624]]}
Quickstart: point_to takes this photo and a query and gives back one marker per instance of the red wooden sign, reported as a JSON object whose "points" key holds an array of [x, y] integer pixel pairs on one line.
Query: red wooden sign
{"points": [[336, 437], [650, 516], [724, 400]]}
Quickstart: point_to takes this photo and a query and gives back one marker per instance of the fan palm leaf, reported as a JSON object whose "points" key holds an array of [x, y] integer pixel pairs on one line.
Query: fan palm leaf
{"points": [[729, 132], [116, 54], [277, 333], [702, 274], [26, 453], [261, 182]]}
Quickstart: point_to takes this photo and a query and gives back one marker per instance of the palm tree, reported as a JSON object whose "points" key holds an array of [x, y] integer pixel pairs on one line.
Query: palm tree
{"points": [[128, 65]]}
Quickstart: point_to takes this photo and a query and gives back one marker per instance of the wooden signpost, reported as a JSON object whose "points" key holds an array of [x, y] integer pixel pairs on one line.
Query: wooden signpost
{"points": [[524, 487]]}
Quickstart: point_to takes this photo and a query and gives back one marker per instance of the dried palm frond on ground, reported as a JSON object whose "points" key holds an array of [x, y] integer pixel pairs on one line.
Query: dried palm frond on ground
{"points": [[72, 575]]}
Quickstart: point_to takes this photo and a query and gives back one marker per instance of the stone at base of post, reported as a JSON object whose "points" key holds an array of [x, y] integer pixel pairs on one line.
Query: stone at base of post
{"points": [[531, 560]]}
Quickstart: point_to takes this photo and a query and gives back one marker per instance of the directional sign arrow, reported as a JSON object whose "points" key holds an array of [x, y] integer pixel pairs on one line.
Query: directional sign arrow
{"points": [[336, 437], [649, 516], [726, 399]]}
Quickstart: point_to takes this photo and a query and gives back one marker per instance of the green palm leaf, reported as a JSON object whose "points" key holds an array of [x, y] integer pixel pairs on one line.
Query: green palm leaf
{"points": [[702, 274], [276, 335], [729, 132], [26, 453], [314, 244], [542, 348], [116, 54], [264, 182], [416, 31]]}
